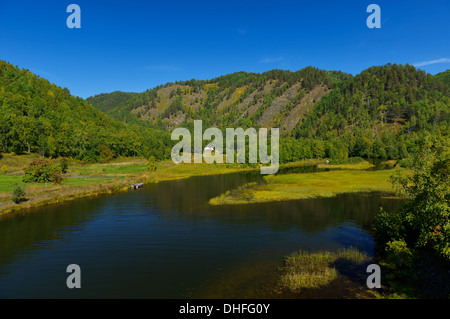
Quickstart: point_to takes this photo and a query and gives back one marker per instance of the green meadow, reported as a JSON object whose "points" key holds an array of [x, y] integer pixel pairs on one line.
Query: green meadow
{"points": [[308, 185]]}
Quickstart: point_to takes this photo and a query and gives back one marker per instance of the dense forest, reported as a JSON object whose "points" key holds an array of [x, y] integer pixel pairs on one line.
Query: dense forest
{"points": [[443, 76], [380, 113], [40, 117]]}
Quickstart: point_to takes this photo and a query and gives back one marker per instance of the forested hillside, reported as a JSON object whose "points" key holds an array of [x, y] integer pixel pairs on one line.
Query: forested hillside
{"points": [[272, 99], [381, 112], [444, 76], [37, 116]]}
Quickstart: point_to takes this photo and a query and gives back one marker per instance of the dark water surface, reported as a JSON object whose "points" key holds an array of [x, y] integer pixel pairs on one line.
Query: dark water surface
{"points": [[165, 241]]}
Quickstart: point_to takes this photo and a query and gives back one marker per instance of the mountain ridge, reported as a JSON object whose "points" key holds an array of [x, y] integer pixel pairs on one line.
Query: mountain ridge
{"points": [[381, 112], [241, 95]]}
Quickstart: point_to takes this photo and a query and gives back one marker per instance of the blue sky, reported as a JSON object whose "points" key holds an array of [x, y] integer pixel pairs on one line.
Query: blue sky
{"points": [[136, 45]]}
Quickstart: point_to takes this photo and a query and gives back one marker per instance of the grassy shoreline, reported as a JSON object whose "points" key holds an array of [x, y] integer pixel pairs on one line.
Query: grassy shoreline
{"points": [[308, 185], [90, 180]]}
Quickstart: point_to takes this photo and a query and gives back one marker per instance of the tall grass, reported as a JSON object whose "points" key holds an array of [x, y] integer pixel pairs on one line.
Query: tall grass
{"points": [[306, 270], [310, 185]]}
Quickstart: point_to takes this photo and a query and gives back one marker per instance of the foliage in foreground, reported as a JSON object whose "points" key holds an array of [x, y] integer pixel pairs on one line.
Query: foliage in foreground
{"points": [[415, 241], [424, 222]]}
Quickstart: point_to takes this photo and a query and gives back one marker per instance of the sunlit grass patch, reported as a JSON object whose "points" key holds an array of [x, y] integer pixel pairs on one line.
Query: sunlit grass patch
{"points": [[86, 181], [8, 183], [306, 270], [362, 165], [120, 168], [310, 185]]}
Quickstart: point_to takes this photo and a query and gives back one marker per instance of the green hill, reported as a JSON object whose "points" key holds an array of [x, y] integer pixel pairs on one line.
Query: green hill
{"points": [[443, 76], [381, 112], [273, 98], [37, 116]]}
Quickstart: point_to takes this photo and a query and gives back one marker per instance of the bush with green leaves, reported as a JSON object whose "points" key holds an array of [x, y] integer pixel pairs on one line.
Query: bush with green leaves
{"points": [[403, 257], [64, 165], [4, 169], [105, 154], [43, 171], [151, 164], [18, 195], [424, 221]]}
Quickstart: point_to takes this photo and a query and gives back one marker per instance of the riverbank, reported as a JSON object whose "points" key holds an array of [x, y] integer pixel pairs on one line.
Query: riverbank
{"points": [[309, 185], [88, 180]]}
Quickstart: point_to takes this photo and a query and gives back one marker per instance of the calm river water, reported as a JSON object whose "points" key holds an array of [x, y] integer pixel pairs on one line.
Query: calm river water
{"points": [[165, 241]]}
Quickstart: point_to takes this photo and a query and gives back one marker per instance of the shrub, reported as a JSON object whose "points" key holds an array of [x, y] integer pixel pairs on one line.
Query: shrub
{"points": [[151, 164], [42, 171], [406, 163], [105, 154], [56, 177], [4, 169], [389, 226], [64, 165], [424, 222], [399, 254], [401, 261], [18, 195]]}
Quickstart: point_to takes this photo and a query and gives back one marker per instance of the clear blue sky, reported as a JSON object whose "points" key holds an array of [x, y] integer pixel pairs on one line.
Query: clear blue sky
{"points": [[136, 45]]}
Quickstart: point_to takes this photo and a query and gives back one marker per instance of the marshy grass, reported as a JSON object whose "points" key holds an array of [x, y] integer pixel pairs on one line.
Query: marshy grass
{"points": [[309, 185], [315, 270], [358, 166]]}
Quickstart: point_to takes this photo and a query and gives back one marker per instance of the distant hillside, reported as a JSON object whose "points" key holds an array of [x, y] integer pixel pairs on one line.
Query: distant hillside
{"points": [[444, 76], [274, 98], [36, 116], [381, 112]]}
